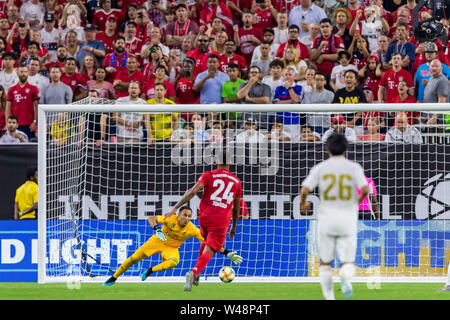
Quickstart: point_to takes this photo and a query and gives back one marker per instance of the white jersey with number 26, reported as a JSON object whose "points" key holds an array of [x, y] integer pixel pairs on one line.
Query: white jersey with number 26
{"points": [[337, 178]]}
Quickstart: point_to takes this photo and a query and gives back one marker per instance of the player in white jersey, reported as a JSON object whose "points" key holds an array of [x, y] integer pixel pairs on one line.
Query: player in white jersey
{"points": [[337, 178]]}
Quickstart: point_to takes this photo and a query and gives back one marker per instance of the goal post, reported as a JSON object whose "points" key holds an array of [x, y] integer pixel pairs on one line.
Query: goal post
{"points": [[95, 196]]}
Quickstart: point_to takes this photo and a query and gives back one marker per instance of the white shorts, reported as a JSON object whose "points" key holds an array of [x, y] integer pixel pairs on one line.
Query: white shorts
{"points": [[331, 243]]}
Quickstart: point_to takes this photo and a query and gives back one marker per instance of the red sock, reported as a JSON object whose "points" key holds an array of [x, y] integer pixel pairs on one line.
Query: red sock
{"points": [[202, 247], [201, 263]]}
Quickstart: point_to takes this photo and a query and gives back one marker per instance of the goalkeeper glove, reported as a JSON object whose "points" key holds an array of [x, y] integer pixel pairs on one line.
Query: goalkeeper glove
{"points": [[233, 256], [159, 233]]}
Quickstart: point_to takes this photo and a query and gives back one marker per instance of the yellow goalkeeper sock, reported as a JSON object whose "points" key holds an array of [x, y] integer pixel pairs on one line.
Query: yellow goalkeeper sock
{"points": [[135, 258], [166, 265]]}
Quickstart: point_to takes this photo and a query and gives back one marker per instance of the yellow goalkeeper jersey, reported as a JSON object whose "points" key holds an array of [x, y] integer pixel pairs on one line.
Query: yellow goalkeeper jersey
{"points": [[161, 123], [26, 196], [177, 235]]}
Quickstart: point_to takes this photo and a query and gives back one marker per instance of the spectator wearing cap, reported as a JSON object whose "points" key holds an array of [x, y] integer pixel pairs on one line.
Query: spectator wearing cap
{"points": [[8, 76], [132, 43], [337, 80], [251, 133], [91, 46], [102, 14], [423, 72], [302, 50], [209, 83], [370, 75], [339, 125], [420, 53], [32, 11], [305, 14], [109, 33], [181, 27], [268, 36], [51, 37]]}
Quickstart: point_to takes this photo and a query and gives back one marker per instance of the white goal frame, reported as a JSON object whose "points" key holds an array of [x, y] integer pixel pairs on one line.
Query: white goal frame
{"points": [[156, 108]]}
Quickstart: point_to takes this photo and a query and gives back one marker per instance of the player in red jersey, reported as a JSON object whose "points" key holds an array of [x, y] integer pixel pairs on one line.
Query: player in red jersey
{"points": [[222, 193]]}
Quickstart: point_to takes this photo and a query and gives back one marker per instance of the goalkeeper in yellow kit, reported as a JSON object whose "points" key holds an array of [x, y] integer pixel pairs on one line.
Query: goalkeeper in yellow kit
{"points": [[167, 240]]}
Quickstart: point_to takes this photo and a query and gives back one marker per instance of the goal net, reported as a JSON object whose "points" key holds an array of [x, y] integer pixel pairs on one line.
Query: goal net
{"points": [[105, 168]]}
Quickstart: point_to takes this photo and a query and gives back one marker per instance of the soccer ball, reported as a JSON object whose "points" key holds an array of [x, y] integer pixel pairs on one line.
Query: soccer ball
{"points": [[227, 274]]}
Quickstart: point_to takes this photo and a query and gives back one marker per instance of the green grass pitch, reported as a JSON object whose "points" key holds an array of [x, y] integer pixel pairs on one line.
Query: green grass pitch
{"points": [[216, 291]]}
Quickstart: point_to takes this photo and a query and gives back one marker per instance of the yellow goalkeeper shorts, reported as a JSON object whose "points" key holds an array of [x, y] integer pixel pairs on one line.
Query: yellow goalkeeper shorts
{"points": [[154, 246]]}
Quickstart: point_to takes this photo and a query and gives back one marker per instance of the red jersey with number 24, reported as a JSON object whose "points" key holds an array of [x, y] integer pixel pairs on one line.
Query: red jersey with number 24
{"points": [[221, 187]]}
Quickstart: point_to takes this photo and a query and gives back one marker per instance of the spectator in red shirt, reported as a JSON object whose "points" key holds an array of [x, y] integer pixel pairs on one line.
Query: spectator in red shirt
{"points": [[353, 8], [73, 79], [101, 14], [248, 37], [124, 77], [143, 24], [148, 91], [325, 48], [19, 36], [390, 79], [157, 58], [410, 5], [211, 9], [231, 57], [200, 54], [404, 97], [22, 102], [181, 27], [133, 44], [4, 25], [302, 50], [370, 74], [265, 14], [88, 66], [184, 86], [61, 57], [109, 35]]}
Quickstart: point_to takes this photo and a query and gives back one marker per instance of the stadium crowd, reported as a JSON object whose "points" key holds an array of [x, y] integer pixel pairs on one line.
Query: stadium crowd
{"points": [[219, 51]]}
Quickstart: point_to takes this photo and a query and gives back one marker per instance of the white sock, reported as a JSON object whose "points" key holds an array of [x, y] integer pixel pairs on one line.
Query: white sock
{"points": [[326, 282], [347, 272], [448, 275]]}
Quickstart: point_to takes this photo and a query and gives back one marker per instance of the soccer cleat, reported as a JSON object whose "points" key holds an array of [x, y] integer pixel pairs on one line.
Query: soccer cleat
{"points": [[110, 281], [196, 280], [347, 289], [189, 281], [146, 274], [446, 288]]}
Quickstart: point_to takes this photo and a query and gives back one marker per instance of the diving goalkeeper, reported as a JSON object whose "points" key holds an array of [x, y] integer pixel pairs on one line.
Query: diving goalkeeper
{"points": [[166, 241]]}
